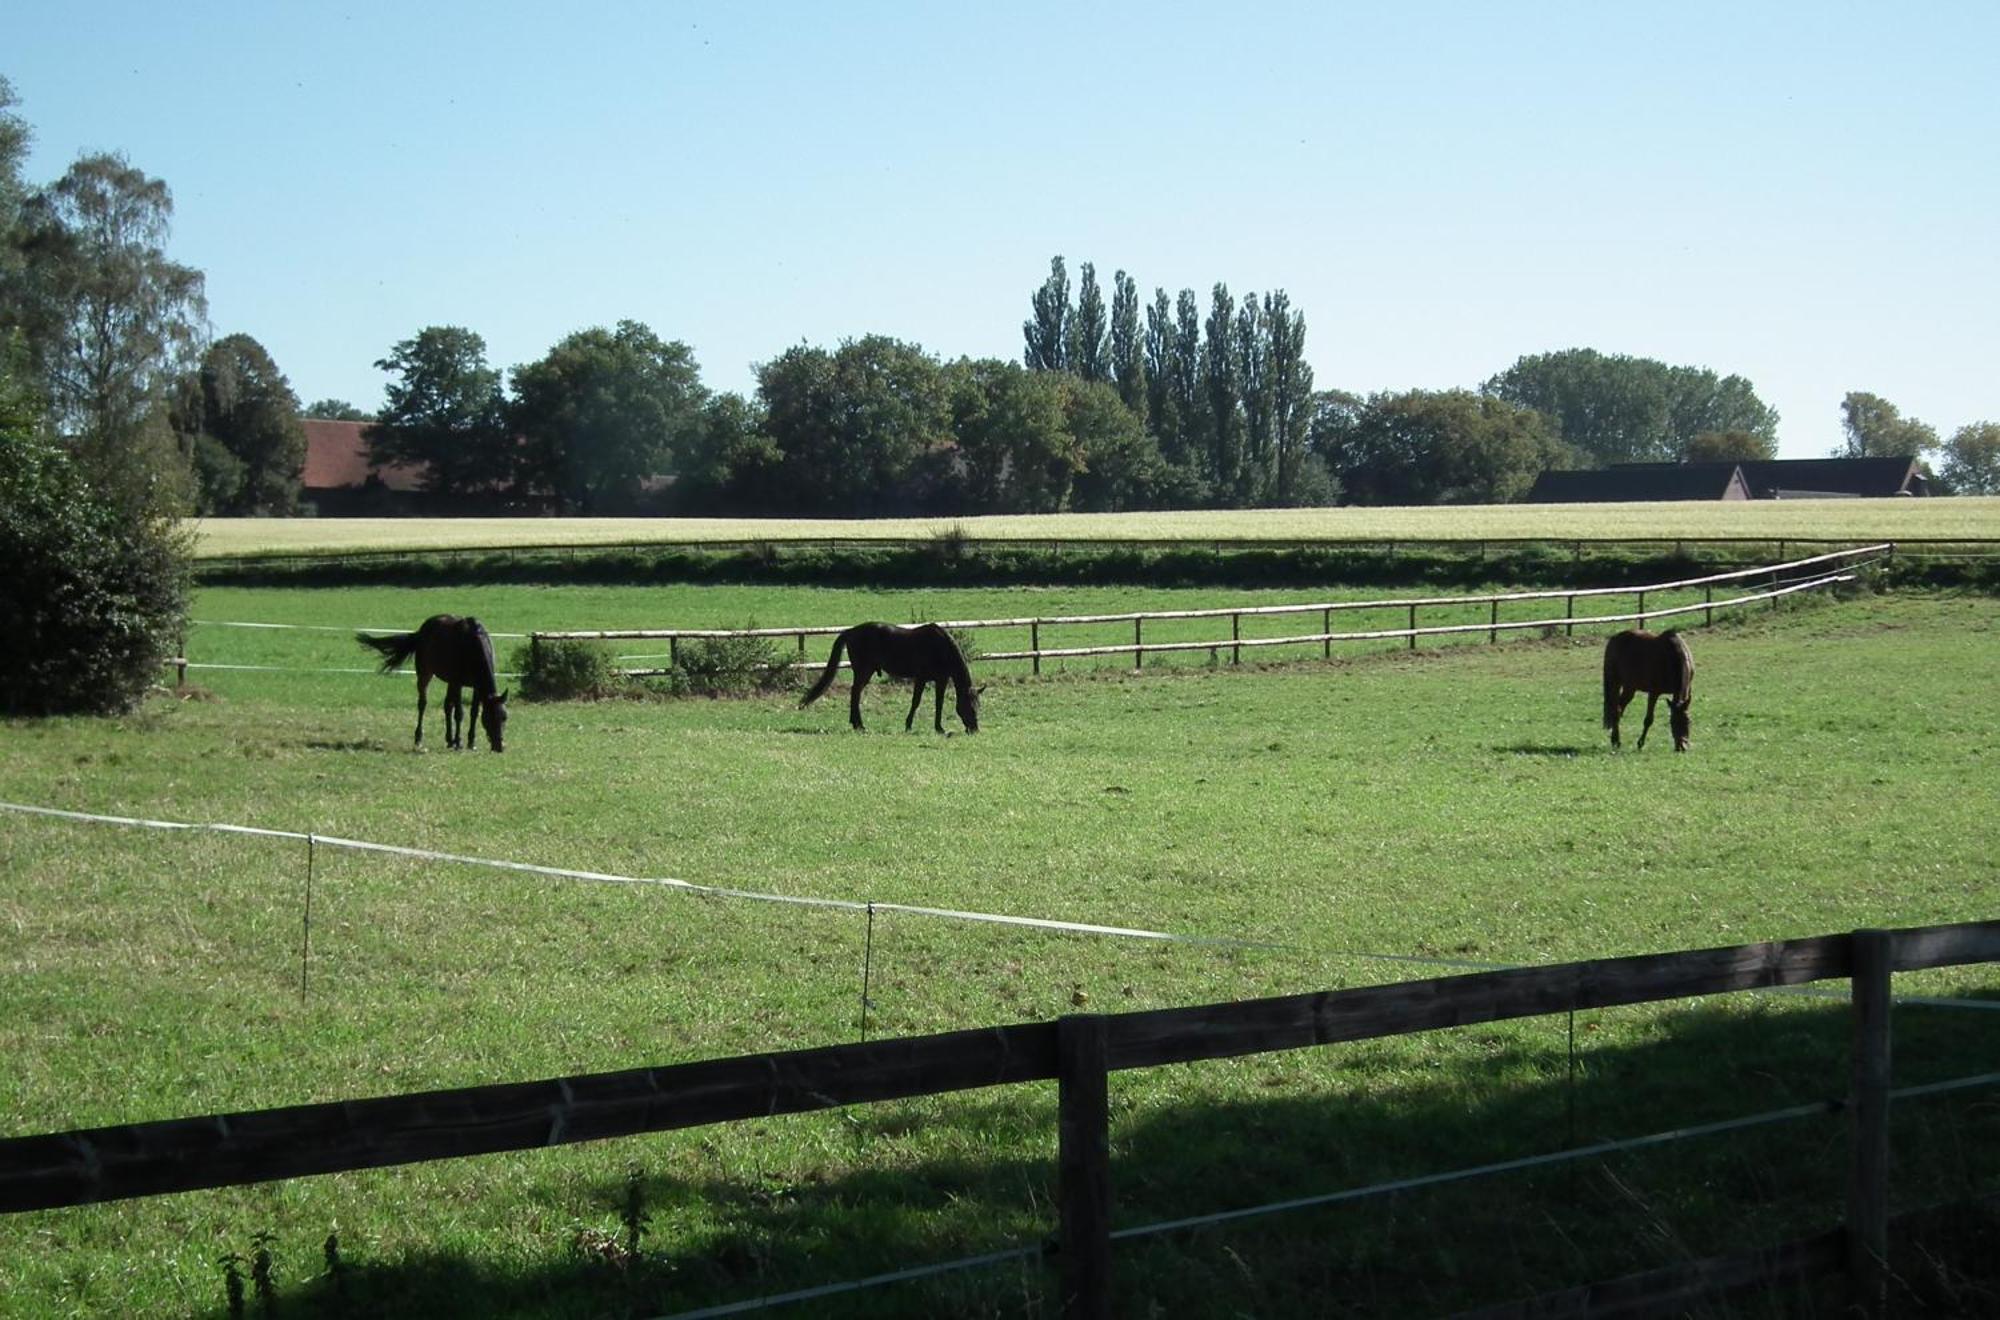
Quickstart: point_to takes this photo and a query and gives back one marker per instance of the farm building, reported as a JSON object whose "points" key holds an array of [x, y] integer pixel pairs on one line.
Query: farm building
{"points": [[338, 481], [1752, 479]]}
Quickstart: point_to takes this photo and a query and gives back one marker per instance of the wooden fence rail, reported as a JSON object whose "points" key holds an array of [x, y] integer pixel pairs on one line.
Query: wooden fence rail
{"points": [[1139, 648], [174, 1155]]}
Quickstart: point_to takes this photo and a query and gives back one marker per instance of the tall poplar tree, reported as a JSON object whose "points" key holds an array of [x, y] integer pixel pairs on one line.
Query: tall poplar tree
{"points": [[1128, 350], [1047, 331], [1291, 394], [1089, 349], [1222, 380]]}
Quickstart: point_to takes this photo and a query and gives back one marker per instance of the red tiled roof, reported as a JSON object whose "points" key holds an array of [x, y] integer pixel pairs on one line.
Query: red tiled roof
{"points": [[337, 458]]}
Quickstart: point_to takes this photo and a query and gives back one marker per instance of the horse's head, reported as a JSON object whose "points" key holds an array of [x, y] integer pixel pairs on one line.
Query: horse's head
{"points": [[494, 716], [968, 707], [1677, 720]]}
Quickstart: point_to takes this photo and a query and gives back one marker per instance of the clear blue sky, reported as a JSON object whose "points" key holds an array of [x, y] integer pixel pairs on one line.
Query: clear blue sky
{"points": [[1805, 194]]}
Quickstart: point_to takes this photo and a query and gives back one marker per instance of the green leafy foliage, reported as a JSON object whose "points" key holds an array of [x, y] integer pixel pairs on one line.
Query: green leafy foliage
{"points": [[95, 593], [601, 413], [444, 412], [1972, 460], [1613, 408], [1439, 447], [560, 669]]}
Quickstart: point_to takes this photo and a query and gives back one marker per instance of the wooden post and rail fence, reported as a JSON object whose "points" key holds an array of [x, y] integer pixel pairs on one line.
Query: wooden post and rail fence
{"points": [[185, 1154], [1813, 573]]}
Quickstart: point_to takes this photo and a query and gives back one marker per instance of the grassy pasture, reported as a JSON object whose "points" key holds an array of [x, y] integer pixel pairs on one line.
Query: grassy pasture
{"points": [[1458, 803], [1861, 520]]}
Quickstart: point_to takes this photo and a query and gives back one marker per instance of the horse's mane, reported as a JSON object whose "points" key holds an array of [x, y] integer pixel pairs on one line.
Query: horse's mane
{"points": [[1686, 659], [961, 673]]}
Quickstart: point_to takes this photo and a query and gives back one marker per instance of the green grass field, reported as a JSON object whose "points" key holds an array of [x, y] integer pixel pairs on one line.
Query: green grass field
{"points": [[1861, 520], [1458, 803]]}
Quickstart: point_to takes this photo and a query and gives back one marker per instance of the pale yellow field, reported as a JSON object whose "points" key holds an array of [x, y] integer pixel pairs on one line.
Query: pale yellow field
{"points": [[1886, 520]]}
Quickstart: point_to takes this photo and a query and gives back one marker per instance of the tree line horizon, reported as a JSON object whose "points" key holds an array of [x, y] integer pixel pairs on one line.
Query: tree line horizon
{"points": [[1114, 404]]}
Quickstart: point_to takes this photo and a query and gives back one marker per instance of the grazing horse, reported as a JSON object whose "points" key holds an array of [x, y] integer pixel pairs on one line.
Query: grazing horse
{"points": [[459, 652], [1657, 665], [922, 652]]}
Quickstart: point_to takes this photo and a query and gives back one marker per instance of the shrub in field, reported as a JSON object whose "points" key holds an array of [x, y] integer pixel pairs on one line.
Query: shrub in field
{"points": [[94, 595], [729, 667], [567, 671]]}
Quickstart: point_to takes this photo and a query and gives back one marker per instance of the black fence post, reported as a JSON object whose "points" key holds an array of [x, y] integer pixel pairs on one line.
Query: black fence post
{"points": [[1083, 1161], [1868, 1125]]}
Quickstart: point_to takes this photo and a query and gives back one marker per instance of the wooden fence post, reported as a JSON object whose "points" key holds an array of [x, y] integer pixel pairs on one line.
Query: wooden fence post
{"points": [[1868, 1125], [1642, 609], [1138, 656], [1083, 1161], [1035, 643], [1413, 627], [1236, 635], [1493, 625], [673, 653], [1569, 616], [1326, 626], [1708, 603]]}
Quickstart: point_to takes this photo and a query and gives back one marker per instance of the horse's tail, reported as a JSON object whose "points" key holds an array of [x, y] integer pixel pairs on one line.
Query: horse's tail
{"points": [[1685, 688], [1611, 681], [826, 675], [395, 648]]}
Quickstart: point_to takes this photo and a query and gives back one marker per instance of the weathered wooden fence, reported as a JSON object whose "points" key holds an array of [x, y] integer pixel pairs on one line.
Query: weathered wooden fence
{"points": [[1808, 574], [1576, 547], [175, 1155]]}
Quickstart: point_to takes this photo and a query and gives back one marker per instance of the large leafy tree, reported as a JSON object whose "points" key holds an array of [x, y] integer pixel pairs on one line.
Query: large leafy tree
{"points": [[1972, 460], [727, 464], [853, 424], [1873, 427], [1444, 447], [1015, 449], [603, 411], [247, 408], [1119, 463], [1047, 330], [1618, 409], [444, 413], [110, 322]]}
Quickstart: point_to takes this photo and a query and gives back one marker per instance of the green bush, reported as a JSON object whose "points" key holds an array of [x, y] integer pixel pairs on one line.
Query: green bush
{"points": [[94, 596], [729, 667], [564, 670]]}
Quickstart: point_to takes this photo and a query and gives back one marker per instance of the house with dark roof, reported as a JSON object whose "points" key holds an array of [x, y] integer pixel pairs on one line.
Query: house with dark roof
{"points": [[1636, 482], [1835, 478], [1755, 479]]}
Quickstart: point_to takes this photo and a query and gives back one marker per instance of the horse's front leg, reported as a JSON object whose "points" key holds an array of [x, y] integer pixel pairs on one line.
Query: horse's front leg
{"points": [[938, 717], [1652, 700], [472, 724], [916, 700], [454, 715], [861, 677], [423, 699]]}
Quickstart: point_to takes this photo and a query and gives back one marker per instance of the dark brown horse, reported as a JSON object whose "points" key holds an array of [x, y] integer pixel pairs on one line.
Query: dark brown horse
{"points": [[459, 652], [1657, 665], [924, 653]]}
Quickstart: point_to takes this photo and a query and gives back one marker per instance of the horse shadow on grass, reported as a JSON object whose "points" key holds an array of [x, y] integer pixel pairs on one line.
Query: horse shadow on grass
{"points": [[1384, 1111]]}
